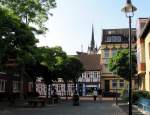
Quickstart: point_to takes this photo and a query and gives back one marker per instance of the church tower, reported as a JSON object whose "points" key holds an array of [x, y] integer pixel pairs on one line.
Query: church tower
{"points": [[92, 49]]}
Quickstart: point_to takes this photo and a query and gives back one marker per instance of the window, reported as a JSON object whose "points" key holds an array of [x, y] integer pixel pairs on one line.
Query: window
{"points": [[95, 74], [121, 82], [114, 83], [106, 61], [2, 85], [15, 86], [113, 52], [91, 79], [106, 53], [88, 75], [59, 87], [113, 38], [116, 38], [108, 39]]}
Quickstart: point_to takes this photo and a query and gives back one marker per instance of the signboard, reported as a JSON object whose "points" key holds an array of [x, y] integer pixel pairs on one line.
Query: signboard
{"points": [[91, 85]]}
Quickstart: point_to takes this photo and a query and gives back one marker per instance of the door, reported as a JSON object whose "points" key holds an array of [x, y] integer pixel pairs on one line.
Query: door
{"points": [[107, 85], [80, 89]]}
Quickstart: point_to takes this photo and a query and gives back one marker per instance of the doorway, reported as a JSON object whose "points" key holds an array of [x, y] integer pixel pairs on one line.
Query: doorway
{"points": [[107, 85]]}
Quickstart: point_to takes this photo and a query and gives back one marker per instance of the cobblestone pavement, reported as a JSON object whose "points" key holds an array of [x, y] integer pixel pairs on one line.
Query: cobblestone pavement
{"points": [[106, 107]]}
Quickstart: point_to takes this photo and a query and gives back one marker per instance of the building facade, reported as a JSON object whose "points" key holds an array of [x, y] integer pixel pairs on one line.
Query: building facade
{"points": [[113, 40], [143, 53], [91, 79], [5, 90], [59, 86]]}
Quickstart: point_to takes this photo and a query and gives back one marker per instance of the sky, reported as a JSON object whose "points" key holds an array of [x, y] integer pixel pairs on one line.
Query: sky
{"points": [[71, 24]]}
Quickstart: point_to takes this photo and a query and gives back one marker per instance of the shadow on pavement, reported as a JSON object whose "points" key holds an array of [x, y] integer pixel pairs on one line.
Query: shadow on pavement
{"points": [[125, 108]]}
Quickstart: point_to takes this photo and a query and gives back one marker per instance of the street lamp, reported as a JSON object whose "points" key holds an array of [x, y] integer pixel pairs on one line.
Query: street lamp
{"points": [[129, 10]]}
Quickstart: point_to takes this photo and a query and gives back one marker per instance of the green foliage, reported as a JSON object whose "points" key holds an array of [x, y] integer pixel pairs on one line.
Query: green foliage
{"points": [[16, 39], [51, 57], [135, 95], [124, 95], [49, 61], [119, 64], [71, 69], [45, 63], [30, 11], [139, 94], [124, 92]]}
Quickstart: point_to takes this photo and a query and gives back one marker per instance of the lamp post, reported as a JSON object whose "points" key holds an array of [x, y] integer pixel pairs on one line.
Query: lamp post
{"points": [[129, 10]]}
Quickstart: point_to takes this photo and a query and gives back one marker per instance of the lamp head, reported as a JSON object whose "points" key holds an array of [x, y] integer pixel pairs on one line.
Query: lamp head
{"points": [[129, 8]]}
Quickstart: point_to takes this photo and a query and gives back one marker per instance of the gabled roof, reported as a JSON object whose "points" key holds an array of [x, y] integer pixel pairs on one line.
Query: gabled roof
{"points": [[145, 30], [91, 62], [140, 23]]}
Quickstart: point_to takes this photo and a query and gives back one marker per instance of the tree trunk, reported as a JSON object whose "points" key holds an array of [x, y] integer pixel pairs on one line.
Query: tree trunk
{"points": [[34, 86], [10, 87], [21, 84]]}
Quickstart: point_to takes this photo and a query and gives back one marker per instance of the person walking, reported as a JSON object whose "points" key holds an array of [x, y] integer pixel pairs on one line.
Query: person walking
{"points": [[76, 98], [100, 94], [94, 95]]}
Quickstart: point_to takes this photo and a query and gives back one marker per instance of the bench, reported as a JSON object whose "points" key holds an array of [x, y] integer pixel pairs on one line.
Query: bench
{"points": [[110, 94], [144, 105], [36, 101]]}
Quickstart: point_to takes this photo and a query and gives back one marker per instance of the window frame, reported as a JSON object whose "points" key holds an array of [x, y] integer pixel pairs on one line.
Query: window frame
{"points": [[121, 81], [2, 85], [114, 81]]}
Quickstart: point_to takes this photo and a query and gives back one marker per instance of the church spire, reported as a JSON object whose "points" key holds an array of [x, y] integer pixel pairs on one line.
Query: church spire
{"points": [[92, 40], [92, 49]]}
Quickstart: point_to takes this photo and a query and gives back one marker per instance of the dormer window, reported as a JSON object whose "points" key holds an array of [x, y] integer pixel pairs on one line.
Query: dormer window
{"points": [[113, 38], [108, 39]]}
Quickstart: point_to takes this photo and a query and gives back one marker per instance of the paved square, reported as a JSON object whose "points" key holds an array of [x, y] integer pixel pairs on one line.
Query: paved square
{"points": [[66, 108]]}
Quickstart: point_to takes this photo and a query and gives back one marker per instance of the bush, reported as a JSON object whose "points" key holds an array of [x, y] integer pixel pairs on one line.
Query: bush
{"points": [[139, 94], [136, 95], [124, 95]]}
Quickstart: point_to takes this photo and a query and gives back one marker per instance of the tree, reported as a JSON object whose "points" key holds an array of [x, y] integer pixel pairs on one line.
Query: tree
{"points": [[119, 64], [16, 38], [16, 42], [71, 70], [51, 59], [75, 68], [31, 11], [34, 71]]}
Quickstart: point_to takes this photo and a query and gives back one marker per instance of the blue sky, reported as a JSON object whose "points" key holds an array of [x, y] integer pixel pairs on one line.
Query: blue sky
{"points": [[71, 23]]}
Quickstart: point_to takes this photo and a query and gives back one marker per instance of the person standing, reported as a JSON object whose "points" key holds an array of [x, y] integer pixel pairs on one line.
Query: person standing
{"points": [[94, 95], [76, 98]]}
